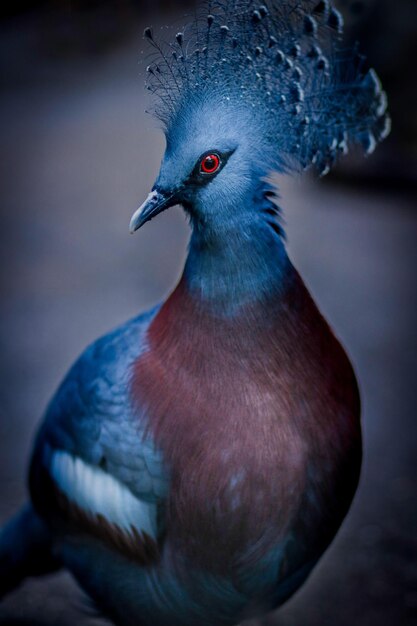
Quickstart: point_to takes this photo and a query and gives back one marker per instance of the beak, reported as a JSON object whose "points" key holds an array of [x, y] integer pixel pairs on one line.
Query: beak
{"points": [[155, 203]]}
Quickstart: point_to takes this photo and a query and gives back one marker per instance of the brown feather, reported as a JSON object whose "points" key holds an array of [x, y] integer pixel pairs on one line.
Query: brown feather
{"points": [[258, 419]]}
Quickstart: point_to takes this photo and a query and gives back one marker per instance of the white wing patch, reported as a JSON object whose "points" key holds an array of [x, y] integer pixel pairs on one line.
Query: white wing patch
{"points": [[98, 493]]}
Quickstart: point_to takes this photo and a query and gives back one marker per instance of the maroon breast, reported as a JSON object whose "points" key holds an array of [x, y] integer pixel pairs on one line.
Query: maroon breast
{"points": [[258, 419]]}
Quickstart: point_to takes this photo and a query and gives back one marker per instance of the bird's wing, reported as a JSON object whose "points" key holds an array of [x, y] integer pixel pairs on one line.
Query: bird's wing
{"points": [[94, 466]]}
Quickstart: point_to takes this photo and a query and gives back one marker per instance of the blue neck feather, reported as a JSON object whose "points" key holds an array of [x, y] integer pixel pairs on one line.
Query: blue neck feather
{"points": [[238, 262]]}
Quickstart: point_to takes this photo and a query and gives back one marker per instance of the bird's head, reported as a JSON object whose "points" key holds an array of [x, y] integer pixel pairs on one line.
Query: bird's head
{"points": [[247, 89], [216, 156]]}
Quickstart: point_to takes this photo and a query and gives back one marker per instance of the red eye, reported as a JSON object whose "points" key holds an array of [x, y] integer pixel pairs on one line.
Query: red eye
{"points": [[210, 164]]}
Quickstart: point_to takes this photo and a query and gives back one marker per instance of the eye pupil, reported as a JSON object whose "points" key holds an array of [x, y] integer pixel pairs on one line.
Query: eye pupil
{"points": [[210, 164]]}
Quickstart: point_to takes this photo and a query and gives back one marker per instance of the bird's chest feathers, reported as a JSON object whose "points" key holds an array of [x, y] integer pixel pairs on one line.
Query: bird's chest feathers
{"points": [[220, 396]]}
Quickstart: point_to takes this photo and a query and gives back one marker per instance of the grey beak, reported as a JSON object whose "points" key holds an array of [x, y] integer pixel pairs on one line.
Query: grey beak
{"points": [[155, 203]]}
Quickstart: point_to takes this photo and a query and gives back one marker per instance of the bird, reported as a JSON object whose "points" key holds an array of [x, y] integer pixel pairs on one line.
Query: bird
{"points": [[195, 463]]}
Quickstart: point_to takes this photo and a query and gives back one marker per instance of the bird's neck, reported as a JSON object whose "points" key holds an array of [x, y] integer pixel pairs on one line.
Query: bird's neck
{"points": [[239, 263]]}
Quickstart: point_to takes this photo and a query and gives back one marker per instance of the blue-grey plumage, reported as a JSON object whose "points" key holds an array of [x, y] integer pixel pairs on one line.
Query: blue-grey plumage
{"points": [[195, 463]]}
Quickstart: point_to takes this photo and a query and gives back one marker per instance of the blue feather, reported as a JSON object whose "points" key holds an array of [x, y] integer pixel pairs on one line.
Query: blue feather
{"points": [[229, 52]]}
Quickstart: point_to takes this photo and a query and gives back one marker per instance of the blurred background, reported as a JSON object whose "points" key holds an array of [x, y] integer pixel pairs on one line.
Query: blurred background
{"points": [[78, 153]]}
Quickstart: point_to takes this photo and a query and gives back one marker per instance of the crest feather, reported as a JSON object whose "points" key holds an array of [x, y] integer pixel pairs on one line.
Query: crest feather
{"points": [[284, 58]]}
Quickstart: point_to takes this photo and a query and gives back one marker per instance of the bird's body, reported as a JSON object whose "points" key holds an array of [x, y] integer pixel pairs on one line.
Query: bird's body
{"points": [[196, 463], [252, 491]]}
